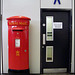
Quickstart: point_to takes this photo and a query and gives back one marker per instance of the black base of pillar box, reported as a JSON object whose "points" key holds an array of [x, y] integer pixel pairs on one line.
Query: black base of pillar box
{"points": [[18, 72]]}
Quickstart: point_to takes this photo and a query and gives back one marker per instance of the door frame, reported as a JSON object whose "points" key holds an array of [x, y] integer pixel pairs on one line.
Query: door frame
{"points": [[70, 48]]}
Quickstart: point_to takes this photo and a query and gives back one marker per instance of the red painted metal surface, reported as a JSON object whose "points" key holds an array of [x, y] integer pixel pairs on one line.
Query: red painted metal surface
{"points": [[18, 17], [18, 43]]}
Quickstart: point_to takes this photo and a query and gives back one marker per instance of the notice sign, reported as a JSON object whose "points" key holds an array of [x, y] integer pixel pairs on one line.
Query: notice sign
{"points": [[17, 42], [57, 25]]}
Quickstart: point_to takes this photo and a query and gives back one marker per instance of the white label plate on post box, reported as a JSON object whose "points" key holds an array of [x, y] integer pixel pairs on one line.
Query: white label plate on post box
{"points": [[17, 42], [57, 25], [65, 4]]}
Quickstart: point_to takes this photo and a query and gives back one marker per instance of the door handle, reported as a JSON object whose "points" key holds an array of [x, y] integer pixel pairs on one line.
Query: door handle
{"points": [[44, 39]]}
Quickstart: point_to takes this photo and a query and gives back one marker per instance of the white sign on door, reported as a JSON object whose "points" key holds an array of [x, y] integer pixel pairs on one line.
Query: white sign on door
{"points": [[57, 25]]}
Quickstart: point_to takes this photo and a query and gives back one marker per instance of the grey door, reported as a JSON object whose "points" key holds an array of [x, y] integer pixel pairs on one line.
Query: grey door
{"points": [[55, 40]]}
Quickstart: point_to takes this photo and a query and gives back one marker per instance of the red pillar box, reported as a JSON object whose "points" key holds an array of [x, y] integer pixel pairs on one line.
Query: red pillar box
{"points": [[18, 43]]}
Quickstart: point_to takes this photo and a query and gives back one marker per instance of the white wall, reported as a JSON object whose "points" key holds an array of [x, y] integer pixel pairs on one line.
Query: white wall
{"points": [[29, 8], [1, 6]]}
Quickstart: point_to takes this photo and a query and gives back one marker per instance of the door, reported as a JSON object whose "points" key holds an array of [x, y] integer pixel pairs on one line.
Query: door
{"points": [[55, 40]]}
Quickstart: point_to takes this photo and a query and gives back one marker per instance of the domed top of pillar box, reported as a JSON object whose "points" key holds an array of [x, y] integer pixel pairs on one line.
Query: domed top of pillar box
{"points": [[18, 20]]}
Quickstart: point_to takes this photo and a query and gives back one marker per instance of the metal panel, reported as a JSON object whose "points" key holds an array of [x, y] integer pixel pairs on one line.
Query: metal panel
{"points": [[49, 53], [56, 70], [49, 28]]}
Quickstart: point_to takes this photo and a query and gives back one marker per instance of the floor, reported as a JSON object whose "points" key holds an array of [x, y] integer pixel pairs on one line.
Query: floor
{"points": [[40, 74]]}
